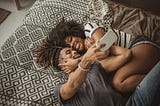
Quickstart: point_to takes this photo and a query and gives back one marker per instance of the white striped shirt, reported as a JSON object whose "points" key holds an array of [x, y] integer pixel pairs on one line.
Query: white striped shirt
{"points": [[123, 39]]}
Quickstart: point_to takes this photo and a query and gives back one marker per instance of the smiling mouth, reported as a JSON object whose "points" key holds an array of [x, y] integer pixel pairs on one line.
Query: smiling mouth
{"points": [[76, 46], [76, 56]]}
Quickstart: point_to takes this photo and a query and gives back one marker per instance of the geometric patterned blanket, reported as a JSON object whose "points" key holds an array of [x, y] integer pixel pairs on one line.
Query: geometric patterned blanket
{"points": [[22, 81]]}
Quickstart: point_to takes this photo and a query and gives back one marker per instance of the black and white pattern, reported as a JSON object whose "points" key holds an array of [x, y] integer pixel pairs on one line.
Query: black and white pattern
{"points": [[18, 49], [22, 81], [100, 12], [27, 86], [48, 13]]}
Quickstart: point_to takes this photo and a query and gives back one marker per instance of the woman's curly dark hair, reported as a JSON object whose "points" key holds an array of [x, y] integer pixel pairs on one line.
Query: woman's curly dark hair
{"points": [[68, 28], [47, 53]]}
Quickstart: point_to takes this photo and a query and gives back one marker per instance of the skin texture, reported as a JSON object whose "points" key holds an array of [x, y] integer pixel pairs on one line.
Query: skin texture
{"points": [[88, 42], [145, 56], [80, 44], [77, 76], [75, 42], [69, 62]]}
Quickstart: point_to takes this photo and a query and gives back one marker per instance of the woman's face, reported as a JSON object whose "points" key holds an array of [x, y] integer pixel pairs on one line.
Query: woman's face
{"points": [[75, 43]]}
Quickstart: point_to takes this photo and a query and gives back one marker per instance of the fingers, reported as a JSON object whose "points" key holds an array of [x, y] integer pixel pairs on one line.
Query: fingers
{"points": [[67, 71], [100, 55], [64, 67], [93, 46], [88, 42], [99, 47]]}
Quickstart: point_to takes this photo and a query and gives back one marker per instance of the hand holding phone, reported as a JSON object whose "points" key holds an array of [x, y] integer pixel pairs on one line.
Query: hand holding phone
{"points": [[108, 39]]}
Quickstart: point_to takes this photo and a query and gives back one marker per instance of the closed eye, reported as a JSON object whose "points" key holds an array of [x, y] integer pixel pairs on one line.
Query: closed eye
{"points": [[68, 52]]}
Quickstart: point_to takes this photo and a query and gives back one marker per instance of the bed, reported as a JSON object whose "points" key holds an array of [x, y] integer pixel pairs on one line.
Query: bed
{"points": [[22, 81]]}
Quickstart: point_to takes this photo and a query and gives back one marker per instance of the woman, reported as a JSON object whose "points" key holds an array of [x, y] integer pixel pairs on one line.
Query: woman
{"points": [[145, 54]]}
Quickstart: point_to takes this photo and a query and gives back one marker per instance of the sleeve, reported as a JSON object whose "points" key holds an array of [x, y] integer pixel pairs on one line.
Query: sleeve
{"points": [[57, 94], [90, 28]]}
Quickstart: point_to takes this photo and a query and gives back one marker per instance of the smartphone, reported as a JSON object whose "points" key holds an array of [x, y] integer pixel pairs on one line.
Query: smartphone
{"points": [[108, 39]]}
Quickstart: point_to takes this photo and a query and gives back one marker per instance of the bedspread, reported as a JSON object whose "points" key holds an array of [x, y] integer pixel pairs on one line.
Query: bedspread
{"points": [[22, 81]]}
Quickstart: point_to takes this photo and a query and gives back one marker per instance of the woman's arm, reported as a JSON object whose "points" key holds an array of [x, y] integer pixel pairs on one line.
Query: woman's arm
{"points": [[119, 56], [98, 34]]}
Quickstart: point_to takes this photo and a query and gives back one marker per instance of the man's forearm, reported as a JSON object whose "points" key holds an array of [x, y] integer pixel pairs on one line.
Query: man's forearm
{"points": [[75, 80]]}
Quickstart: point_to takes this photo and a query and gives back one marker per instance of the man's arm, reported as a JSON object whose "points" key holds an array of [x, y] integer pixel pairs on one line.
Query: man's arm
{"points": [[78, 77], [119, 56], [75, 80]]}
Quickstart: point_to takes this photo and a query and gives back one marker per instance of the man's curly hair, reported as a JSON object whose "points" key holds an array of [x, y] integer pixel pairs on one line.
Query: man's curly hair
{"points": [[47, 53]]}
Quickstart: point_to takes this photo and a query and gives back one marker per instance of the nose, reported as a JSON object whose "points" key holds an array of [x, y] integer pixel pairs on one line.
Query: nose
{"points": [[71, 44], [74, 52]]}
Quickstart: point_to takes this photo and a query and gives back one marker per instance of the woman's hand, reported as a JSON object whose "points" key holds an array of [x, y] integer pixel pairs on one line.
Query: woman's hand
{"points": [[88, 42], [100, 55], [95, 54], [69, 65]]}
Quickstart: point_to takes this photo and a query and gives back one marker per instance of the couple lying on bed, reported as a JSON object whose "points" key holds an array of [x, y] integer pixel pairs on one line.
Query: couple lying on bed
{"points": [[101, 77]]}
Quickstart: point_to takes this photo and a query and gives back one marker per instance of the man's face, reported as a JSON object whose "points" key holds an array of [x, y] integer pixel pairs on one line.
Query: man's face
{"points": [[76, 43], [68, 59]]}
